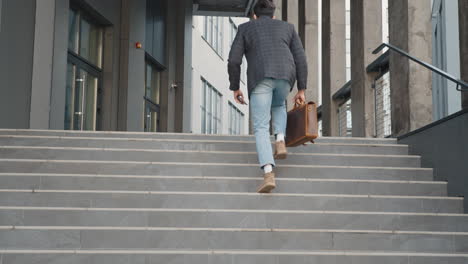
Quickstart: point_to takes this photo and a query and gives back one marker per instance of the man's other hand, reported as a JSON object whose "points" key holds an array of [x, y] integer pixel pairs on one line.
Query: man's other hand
{"points": [[237, 94]]}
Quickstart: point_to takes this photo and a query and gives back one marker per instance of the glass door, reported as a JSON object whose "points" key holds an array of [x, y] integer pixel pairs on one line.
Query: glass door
{"points": [[81, 99], [84, 72], [152, 97]]}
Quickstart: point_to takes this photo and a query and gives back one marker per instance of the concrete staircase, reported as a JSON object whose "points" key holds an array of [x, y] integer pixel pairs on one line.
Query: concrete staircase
{"points": [[134, 198]]}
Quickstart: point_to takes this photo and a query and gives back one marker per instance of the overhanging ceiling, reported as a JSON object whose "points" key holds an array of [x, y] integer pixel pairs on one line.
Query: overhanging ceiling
{"points": [[222, 7]]}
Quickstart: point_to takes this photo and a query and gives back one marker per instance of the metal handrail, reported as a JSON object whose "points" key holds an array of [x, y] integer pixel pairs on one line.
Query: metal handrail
{"points": [[461, 85]]}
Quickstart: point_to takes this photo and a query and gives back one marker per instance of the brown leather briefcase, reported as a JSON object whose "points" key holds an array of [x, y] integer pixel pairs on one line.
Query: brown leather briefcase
{"points": [[302, 125]]}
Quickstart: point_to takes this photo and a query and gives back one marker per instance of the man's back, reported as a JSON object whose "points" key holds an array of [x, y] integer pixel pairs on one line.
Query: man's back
{"points": [[275, 55], [273, 49]]}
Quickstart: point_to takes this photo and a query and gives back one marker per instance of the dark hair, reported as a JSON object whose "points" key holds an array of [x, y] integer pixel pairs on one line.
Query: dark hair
{"points": [[265, 8]]}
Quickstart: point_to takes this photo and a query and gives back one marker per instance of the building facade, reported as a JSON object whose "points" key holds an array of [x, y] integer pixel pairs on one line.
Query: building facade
{"points": [[95, 64], [131, 65], [105, 64], [214, 110]]}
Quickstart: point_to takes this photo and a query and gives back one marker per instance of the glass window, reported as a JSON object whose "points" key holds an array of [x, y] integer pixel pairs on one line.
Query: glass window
{"points": [[345, 124], [85, 38], [236, 120], [209, 35], [213, 33], [211, 110], [205, 26], [203, 110], [155, 29], [221, 36], [348, 40], [84, 73], [152, 97], [209, 107], [91, 42], [80, 99], [73, 31], [153, 83], [233, 31]]}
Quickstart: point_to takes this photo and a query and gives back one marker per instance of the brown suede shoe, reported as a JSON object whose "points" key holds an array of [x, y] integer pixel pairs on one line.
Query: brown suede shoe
{"points": [[268, 184], [281, 152]]}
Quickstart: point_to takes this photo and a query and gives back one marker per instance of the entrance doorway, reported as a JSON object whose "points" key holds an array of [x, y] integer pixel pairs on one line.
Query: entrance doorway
{"points": [[152, 96], [84, 72], [81, 98]]}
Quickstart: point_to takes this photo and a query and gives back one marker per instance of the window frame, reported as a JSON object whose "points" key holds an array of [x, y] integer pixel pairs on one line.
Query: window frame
{"points": [[211, 109], [236, 120], [213, 33], [80, 16]]}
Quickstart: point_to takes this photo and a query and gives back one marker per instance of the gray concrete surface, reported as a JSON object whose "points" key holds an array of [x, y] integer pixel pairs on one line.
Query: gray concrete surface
{"points": [[366, 35], [333, 62], [411, 85], [143, 197], [444, 147], [16, 53]]}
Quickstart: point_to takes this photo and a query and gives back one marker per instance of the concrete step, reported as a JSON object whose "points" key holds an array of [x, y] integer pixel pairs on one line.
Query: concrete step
{"points": [[211, 169], [225, 257], [113, 134], [217, 200], [228, 239], [219, 184], [197, 145], [204, 156], [219, 218]]}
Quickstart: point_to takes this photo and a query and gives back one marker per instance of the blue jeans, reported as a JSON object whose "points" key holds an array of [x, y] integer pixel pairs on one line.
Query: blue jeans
{"points": [[268, 98]]}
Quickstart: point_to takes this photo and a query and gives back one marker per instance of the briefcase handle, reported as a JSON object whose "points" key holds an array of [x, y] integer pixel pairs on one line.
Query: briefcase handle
{"points": [[296, 105]]}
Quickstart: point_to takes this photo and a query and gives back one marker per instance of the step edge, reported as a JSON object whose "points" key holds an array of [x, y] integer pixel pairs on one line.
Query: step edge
{"points": [[167, 133], [36, 191], [203, 152], [213, 178], [229, 230], [191, 141], [232, 252], [247, 211], [209, 164]]}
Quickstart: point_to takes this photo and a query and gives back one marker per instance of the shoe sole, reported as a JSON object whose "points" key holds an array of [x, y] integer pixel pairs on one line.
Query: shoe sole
{"points": [[267, 188]]}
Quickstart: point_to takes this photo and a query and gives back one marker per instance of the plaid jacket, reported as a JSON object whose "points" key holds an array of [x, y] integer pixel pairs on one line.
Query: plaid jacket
{"points": [[272, 48]]}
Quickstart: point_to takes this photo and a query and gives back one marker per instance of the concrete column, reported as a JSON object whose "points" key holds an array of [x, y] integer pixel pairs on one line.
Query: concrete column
{"points": [[366, 35], [311, 41], [183, 102], [59, 75], [123, 66], [293, 13], [463, 30], [293, 18], [16, 58], [333, 61], [279, 9], [411, 85], [135, 67], [303, 14], [42, 64]]}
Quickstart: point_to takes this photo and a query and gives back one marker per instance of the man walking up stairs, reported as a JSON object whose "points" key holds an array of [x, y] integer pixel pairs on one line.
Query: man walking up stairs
{"points": [[110, 197]]}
